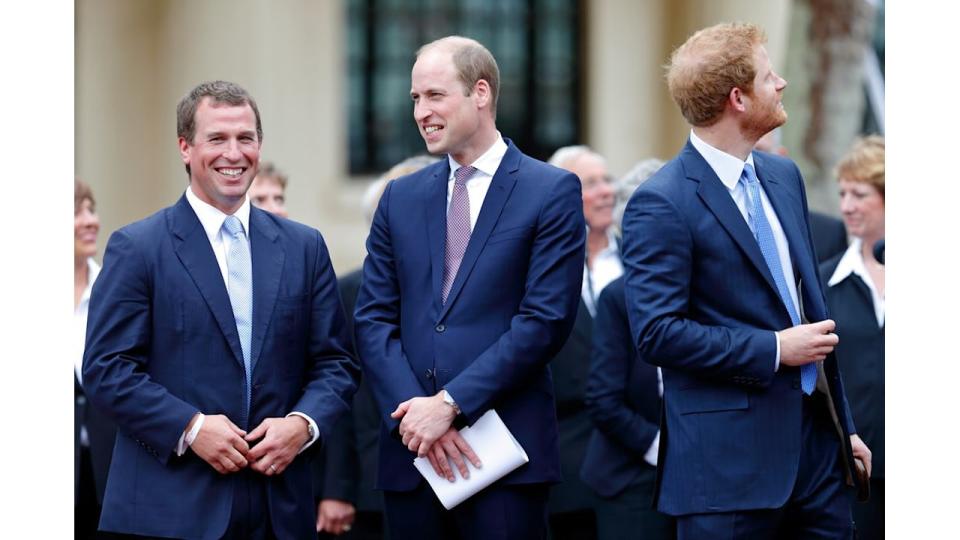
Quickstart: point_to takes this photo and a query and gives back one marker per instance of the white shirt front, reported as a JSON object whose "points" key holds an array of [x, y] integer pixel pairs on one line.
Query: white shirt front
{"points": [[728, 169], [852, 263], [478, 184], [80, 318], [606, 268], [211, 219]]}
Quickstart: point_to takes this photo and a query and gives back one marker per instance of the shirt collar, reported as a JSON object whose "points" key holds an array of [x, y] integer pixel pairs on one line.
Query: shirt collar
{"points": [[727, 167], [850, 263], [212, 218], [489, 162]]}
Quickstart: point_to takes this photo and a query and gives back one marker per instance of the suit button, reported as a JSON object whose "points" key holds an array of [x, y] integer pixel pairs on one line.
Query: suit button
{"points": [[441, 328], [796, 384], [429, 374]]}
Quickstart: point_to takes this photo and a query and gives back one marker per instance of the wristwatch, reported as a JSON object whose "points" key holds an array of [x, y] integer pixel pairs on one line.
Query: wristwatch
{"points": [[448, 399], [311, 433]]}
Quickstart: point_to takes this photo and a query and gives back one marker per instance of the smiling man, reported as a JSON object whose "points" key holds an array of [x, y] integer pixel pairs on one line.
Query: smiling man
{"points": [[723, 293], [470, 287], [216, 341]]}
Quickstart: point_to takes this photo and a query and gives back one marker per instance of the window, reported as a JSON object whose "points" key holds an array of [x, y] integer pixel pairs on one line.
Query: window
{"points": [[537, 46]]}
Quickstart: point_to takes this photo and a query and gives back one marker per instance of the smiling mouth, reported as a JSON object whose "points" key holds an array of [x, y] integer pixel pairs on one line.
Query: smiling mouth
{"points": [[231, 172], [429, 130]]}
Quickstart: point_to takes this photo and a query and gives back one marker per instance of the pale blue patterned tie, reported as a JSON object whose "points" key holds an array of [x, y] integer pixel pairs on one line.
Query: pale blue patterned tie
{"points": [[239, 288], [768, 246]]}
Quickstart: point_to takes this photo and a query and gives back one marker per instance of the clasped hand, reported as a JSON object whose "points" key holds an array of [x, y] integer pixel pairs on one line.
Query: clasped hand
{"points": [[425, 428], [226, 447]]}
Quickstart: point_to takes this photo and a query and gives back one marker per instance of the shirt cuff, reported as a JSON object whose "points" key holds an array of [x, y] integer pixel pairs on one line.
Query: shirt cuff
{"points": [[652, 452], [776, 365], [315, 431], [187, 438]]}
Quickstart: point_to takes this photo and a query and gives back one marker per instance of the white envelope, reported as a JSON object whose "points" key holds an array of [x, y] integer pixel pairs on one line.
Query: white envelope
{"points": [[499, 454]]}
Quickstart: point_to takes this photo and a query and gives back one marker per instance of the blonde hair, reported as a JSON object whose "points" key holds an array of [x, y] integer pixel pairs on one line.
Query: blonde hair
{"points": [[865, 162], [710, 64]]}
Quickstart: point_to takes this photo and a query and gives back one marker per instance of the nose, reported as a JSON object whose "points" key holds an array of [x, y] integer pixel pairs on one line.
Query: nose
{"points": [[781, 83], [89, 219], [846, 204], [232, 151], [420, 111]]}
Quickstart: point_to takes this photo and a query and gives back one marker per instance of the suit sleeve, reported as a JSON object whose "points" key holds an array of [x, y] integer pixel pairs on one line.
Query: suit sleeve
{"points": [[609, 374], [377, 320], [331, 373], [335, 469], [116, 357], [546, 313], [658, 260]]}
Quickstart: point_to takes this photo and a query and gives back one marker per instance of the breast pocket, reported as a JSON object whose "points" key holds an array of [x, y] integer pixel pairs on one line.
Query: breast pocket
{"points": [[513, 233]]}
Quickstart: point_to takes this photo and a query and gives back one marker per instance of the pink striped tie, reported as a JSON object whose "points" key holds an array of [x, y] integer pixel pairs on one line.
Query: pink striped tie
{"points": [[458, 227]]}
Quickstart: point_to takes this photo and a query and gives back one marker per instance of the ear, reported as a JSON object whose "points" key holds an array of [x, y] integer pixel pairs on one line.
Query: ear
{"points": [[737, 99], [184, 150], [482, 95]]}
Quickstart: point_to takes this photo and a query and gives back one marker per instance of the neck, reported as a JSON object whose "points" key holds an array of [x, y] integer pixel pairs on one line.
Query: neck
{"points": [[597, 240], [477, 146], [866, 248], [727, 137], [80, 270]]}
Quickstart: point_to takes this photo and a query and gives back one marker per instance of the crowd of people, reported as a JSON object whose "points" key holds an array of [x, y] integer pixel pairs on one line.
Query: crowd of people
{"points": [[684, 352]]}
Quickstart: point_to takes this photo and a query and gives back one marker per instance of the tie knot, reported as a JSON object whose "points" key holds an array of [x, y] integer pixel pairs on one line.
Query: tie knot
{"points": [[749, 175], [461, 175], [232, 225]]}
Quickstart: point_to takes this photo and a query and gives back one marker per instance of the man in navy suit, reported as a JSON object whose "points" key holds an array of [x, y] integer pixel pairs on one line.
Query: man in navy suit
{"points": [[470, 287], [723, 293], [216, 341]]}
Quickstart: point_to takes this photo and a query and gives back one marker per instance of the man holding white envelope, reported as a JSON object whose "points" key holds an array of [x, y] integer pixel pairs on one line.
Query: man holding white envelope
{"points": [[470, 287]]}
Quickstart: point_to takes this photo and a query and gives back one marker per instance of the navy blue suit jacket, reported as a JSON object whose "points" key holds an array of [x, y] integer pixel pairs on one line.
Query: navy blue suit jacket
{"points": [[162, 345], [510, 309], [623, 400], [703, 306]]}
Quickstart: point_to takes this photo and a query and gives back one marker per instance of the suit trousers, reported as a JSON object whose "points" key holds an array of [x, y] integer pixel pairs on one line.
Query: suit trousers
{"points": [[499, 512], [820, 506], [631, 515]]}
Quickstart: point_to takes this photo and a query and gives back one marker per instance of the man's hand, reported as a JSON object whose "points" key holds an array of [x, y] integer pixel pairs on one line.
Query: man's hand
{"points": [[220, 443], [807, 343], [861, 452], [425, 419], [335, 516], [452, 445], [282, 439]]}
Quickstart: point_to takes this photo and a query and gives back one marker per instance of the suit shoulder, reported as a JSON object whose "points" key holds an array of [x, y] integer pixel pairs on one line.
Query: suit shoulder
{"points": [[419, 177], [148, 226], [293, 230], [666, 181]]}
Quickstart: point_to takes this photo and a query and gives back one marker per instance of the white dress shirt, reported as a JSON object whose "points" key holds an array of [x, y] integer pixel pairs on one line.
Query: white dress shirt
{"points": [[606, 268], [729, 168], [479, 183], [211, 219], [852, 263], [80, 333]]}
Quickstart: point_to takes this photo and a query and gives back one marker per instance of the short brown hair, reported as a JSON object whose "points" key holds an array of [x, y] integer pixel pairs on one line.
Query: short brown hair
{"points": [[269, 172], [710, 64], [81, 192], [865, 162], [473, 62]]}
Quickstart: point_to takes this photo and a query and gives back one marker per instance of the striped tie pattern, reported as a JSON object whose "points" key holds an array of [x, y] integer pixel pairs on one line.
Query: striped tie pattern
{"points": [[768, 247], [239, 287], [458, 227]]}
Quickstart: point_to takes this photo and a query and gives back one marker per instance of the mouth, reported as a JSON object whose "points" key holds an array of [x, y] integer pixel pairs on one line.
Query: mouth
{"points": [[431, 132], [232, 173]]}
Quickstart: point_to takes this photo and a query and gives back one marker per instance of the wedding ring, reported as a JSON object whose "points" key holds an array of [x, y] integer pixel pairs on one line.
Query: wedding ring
{"points": [[273, 467]]}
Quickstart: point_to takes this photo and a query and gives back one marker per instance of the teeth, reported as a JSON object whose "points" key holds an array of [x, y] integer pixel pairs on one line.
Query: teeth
{"points": [[231, 172], [431, 129]]}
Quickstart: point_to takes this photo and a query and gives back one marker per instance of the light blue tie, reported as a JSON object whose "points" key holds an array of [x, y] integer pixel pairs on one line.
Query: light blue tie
{"points": [[768, 246], [239, 288]]}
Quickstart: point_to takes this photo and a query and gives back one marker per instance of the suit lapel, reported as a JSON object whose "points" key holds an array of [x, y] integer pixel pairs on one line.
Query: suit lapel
{"points": [[500, 187], [193, 249], [715, 195], [437, 226], [267, 254]]}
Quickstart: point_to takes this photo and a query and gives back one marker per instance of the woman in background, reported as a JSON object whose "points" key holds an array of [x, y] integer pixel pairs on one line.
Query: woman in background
{"points": [[855, 299], [94, 434]]}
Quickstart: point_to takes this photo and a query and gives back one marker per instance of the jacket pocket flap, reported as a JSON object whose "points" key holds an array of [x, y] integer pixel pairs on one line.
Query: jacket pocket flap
{"points": [[698, 400]]}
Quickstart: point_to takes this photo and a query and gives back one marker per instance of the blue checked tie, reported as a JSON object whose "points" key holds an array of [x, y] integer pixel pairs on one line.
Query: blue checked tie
{"points": [[238, 287], [768, 246]]}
